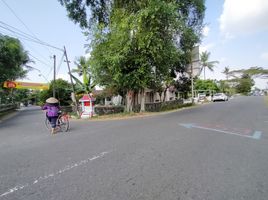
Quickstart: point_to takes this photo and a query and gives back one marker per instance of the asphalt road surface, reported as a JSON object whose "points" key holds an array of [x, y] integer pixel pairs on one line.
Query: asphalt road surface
{"points": [[217, 151]]}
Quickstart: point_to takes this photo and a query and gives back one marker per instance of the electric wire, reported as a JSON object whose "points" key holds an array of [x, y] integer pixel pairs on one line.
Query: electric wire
{"points": [[59, 65], [31, 39], [22, 22], [39, 60]]}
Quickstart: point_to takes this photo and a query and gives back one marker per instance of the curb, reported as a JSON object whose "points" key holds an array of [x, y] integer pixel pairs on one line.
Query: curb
{"points": [[8, 115]]}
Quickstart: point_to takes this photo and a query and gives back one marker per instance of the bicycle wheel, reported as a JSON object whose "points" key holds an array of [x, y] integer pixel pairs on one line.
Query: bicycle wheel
{"points": [[63, 123], [47, 123]]}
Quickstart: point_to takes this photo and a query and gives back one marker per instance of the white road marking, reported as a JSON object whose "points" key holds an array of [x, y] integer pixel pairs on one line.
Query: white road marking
{"points": [[256, 135], [42, 178]]}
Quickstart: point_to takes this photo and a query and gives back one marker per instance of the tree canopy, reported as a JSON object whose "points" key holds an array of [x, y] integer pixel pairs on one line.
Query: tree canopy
{"points": [[13, 59], [206, 85], [63, 92], [138, 44], [253, 72], [245, 84]]}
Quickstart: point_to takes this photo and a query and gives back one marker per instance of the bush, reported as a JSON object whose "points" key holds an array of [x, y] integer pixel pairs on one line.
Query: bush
{"points": [[105, 110], [163, 106]]}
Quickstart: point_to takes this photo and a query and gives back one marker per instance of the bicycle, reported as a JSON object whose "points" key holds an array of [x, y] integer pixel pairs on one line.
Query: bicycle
{"points": [[62, 122]]}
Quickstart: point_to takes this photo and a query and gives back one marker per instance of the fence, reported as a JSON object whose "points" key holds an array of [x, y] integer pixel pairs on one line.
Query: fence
{"points": [[7, 107]]}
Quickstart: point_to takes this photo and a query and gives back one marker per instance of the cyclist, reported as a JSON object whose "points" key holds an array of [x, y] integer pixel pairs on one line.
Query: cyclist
{"points": [[52, 112]]}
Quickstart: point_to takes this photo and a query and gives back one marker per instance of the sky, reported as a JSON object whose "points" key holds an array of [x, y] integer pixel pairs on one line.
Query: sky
{"points": [[235, 34]]}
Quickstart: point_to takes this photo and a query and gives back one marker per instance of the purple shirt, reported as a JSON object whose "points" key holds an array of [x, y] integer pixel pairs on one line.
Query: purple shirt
{"points": [[52, 110]]}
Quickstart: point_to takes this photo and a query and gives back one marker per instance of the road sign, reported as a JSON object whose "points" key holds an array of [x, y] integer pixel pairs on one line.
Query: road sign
{"points": [[25, 85]]}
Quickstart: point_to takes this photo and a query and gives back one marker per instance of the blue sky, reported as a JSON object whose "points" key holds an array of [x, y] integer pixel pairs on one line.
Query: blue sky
{"points": [[235, 34]]}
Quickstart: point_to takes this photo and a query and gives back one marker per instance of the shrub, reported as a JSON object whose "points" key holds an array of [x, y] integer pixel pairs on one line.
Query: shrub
{"points": [[105, 110]]}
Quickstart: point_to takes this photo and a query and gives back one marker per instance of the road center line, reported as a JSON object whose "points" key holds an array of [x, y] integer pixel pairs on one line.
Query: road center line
{"points": [[63, 170]]}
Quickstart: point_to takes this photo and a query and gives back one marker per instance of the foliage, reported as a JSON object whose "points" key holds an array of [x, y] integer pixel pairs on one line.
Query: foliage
{"points": [[138, 44], [244, 84], [253, 72], [227, 72], [183, 86], [104, 110], [101, 10], [83, 69], [206, 85], [13, 59], [63, 92], [224, 86], [205, 63]]}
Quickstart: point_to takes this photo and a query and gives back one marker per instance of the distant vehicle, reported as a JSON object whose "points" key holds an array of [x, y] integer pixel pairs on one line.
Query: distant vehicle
{"points": [[220, 97]]}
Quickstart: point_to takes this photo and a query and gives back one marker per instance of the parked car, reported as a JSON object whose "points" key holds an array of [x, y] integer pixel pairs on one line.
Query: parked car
{"points": [[220, 97]]}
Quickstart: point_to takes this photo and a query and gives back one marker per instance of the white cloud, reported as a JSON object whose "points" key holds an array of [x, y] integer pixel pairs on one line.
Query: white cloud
{"points": [[264, 56], [243, 16], [205, 31], [206, 47]]}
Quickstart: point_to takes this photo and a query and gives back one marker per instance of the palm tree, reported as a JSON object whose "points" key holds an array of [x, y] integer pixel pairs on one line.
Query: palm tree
{"points": [[205, 63], [83, 69], [226, 71]]}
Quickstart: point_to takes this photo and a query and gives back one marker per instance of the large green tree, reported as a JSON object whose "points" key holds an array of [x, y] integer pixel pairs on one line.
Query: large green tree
{"points": [[137, 43], [206, 85], [63, 92], [13, 59], [245, 84]]}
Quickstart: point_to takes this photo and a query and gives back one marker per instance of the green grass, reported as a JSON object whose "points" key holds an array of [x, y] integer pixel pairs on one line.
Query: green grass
{"points": [[121, 115]]}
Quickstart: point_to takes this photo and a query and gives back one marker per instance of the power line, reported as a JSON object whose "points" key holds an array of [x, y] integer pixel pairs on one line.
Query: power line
{"points": [[61, 61], [31, 39], [39, 60], [22, 22], [22, 34]]}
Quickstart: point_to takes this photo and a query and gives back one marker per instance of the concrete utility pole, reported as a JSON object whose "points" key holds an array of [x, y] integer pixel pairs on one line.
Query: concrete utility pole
{"points": [[192, 81], [54, 76], [67, 61]]}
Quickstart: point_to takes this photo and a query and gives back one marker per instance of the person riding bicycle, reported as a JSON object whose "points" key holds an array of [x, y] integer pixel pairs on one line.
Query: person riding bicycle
{"points": [[52, 112]]}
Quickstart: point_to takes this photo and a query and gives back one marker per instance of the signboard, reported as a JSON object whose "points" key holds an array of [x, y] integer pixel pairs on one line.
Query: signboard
{"points": [[25, 85], [195, 65], [195, 54]]}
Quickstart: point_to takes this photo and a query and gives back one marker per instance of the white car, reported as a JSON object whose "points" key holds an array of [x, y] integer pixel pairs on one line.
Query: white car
{"points": [[220, 97]]}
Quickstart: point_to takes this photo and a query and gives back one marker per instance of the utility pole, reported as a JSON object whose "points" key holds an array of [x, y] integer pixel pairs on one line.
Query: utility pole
{"points": [[194, 57], [54, 76], [72, 83], [192, 81]]}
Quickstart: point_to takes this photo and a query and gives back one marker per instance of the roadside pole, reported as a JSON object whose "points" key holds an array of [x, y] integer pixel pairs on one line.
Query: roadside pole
{"points": [[194, 58], [192, 81], [72, 83], [54, 76]]}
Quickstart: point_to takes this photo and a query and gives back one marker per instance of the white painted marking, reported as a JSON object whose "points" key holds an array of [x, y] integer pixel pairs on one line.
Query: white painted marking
{"points": [[41, 178], [255, 136]]}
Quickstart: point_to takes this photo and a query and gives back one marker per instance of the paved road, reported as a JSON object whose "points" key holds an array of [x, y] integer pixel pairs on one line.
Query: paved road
{"points": [[217, 151]]}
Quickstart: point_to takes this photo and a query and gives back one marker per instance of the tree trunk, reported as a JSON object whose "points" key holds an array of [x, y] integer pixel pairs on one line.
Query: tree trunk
{"points": [[165, 94], [129, 101], [204, 73], [142, 93]]}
